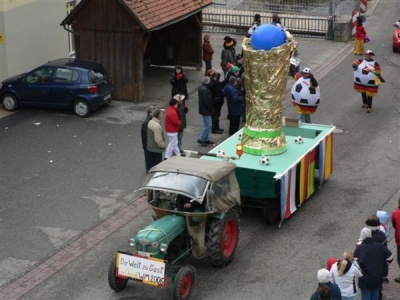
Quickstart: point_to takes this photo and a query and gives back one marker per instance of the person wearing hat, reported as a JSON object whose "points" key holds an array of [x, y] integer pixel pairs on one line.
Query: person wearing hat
{"points": [[378, 235], [359, 37], [208, 52], [228, 54], [367, 78], [182, 111], [306, 78], [178, 81], [234, 71], [235, 101], [324, 279], [396, 226], [372, 257]]}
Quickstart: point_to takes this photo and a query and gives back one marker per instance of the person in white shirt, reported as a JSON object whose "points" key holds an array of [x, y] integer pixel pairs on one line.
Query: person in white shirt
{"points": [[345, 273]]}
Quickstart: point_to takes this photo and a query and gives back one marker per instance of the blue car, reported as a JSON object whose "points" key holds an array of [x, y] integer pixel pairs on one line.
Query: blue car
{"points": [[65, 83]]}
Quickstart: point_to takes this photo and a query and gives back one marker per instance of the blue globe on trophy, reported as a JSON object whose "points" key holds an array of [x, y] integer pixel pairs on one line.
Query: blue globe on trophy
{"points": [[267, 36]]}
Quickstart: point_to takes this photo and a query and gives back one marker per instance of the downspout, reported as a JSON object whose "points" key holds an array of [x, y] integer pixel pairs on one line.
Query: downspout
{"points": [[77, 40]]}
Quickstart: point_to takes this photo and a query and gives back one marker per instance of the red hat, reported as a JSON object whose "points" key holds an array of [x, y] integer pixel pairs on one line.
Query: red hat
{"points": [[330, 262]]}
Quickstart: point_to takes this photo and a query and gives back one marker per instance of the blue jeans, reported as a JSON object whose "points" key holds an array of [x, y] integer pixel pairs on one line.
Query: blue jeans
{"points": [[370, 294], [305, 118], [208, 64], [206, 128], [349, 298]]}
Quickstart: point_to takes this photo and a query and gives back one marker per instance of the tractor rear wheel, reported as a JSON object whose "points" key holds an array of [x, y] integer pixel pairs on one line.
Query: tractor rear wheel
{"points": [[116, 283], [222, 239], [183, 283]]}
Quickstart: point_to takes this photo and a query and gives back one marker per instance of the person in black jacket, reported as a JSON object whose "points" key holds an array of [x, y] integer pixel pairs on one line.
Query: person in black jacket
{"points": [[178, 81], [147, 157], [372, 257], [218, 100], [206, 110]]}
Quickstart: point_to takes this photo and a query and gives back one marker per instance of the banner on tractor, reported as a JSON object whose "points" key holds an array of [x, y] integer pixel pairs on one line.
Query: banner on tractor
{"points": [[147, 270]]}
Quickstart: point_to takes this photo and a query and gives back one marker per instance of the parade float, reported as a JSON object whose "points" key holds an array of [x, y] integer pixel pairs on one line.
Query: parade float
{"points": [[282, 161]]}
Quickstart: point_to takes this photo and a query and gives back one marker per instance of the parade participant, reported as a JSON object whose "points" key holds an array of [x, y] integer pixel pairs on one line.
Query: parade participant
{"points": [[367, 78], [206, 110], [305, 87], [235, 101], [182, 111], [208, 52], [147, 158], [155, 138], [172, 124], [359, 37], [256, 23], [178, 81], [396, 226], [215, 87], [228, 53]]}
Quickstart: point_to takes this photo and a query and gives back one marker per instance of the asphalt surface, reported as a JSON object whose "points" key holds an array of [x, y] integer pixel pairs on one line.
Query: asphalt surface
{"points": [[64, 225]]}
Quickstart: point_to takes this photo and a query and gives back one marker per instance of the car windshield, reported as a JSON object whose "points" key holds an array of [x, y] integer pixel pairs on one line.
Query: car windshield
{"points": [[97, 74], [189, 184]]}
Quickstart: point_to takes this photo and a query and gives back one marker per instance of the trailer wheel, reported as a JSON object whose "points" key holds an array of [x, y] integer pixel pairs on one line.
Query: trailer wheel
{"points": [[116, 283], [272, 213], [222, 239], [183, 283]]}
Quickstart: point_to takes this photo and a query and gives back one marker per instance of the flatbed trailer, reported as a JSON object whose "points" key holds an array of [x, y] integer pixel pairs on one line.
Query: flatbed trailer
{"points": [[290, 178]]}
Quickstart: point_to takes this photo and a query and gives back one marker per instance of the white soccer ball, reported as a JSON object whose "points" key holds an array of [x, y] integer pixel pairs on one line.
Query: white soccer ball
{"points": [[220, 152], [264, 160], [298, 140]]}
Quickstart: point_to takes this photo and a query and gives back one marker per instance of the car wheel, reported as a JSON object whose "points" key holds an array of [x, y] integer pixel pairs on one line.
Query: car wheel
{"points": [[10, 102], [183, 283], [222, 239], [116, 283], [81, 108]]}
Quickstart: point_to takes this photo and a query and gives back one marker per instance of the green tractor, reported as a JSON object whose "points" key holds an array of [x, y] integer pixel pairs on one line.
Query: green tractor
{"points": [[196, 204]]}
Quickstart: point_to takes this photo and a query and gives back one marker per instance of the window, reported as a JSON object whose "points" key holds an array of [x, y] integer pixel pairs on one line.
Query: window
{"points": [[41, 75], [66, 75]]}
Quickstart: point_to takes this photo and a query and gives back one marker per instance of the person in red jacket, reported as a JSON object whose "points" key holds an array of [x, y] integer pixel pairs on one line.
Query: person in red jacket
{"points": [[208, 52], [359, 37], [172, 124], [396, 226]]}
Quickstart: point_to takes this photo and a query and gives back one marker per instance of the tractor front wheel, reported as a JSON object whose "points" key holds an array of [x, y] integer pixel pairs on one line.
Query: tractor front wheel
{"points": [[222, 239], [116, 283], [183, 283]]}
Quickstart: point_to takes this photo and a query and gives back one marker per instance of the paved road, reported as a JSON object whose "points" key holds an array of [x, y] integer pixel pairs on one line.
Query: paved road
{"points": [[62, 176]]}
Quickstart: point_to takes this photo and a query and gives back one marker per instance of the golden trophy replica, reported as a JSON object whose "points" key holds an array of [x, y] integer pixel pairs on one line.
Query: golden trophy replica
{"points": [[267, 55]]}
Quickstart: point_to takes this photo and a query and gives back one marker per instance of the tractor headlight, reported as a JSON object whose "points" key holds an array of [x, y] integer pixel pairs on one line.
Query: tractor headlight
{"points": [[163, 247], [132, 242]]}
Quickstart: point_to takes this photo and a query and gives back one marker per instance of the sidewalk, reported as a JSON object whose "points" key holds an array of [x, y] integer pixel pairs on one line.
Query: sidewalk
{"points": [[391, 290]]}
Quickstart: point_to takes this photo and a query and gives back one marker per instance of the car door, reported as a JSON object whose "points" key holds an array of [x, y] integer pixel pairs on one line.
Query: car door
{"points": [[33, 88], [65, 87]]}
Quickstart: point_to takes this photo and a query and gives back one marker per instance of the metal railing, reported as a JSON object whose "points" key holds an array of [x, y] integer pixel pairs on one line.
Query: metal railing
{"points": [[305, 26]]}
